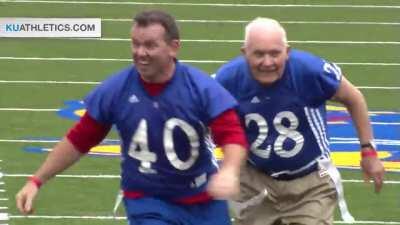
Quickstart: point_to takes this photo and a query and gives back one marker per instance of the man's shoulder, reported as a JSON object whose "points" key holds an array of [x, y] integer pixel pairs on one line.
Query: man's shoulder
{"points": [[232, 70], [190, 70], [305, 63], [303, 58], [121, 74], [233, 65], [194, 75]]}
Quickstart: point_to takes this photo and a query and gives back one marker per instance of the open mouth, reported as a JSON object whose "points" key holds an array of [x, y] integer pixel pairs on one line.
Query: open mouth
{"points": [[267, 72], [142, 62]]}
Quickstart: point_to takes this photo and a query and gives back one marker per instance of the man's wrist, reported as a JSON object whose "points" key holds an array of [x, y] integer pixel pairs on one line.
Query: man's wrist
{"points": [[36, 181], [369, 153], [368, 149], [369, 145]]}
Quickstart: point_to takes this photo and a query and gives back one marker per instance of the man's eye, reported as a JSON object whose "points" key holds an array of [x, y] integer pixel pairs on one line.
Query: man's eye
{"points": [[274, 54], [258, 54], [151, 45], [135, 45]]}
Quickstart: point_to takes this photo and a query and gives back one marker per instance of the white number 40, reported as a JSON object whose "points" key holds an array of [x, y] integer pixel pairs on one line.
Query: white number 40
{"points": [[139, 148]]}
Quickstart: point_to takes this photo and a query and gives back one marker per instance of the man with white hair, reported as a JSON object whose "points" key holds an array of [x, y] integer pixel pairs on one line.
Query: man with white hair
{"points": [[282, 94]]}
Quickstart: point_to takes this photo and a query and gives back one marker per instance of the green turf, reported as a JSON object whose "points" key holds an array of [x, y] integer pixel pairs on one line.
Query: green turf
{"points": [[95, 197], [197, 12], [59, 70]]}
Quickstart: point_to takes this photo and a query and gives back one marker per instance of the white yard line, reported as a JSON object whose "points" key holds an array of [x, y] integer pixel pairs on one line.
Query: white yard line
{"points": [[367, 64], [28, 141], [64, 59], [48, 82], [386, 123], [362, 181], [282, 22], [205, 4], [393, 143], [101, 176], [354, 138], [241, 41], [185, 60], [29, 109], [4, 216], [383, 88]]}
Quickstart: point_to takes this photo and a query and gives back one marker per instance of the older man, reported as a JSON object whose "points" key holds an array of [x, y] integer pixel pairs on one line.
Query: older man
{"points": [[282, 92]]}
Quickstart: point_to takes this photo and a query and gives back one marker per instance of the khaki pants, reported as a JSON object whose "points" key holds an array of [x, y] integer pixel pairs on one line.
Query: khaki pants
{"points": [[309, 200]]}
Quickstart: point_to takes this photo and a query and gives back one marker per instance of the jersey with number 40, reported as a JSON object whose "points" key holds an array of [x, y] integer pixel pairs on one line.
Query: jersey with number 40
{"points": [[285, 122], [165, 148]]}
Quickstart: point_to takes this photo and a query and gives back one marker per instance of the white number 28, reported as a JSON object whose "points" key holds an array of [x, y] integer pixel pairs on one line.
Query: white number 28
{"points": [[285, 132]]}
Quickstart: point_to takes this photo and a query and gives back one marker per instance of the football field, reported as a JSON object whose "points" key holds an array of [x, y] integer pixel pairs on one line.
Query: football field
{"points": [[42, 81]]}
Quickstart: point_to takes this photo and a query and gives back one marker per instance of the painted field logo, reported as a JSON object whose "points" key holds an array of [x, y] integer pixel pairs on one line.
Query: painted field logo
{"points": [[343, 140]]}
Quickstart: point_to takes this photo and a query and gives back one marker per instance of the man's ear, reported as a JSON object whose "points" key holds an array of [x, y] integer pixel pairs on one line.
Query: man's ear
{"points": [[288, 48], [175, 45], [243, 50]]}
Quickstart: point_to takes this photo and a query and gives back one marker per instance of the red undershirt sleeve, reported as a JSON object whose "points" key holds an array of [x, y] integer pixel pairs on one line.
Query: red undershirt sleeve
{"points": [[226, 129], [87, 133]]}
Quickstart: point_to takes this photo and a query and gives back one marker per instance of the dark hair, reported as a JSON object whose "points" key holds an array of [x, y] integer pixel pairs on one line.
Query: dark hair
{"points": [[150, 17]]}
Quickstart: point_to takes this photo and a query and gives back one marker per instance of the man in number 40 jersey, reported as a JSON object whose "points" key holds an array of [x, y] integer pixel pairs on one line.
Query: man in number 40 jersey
{"points": [[163, 110], [289, 178]]}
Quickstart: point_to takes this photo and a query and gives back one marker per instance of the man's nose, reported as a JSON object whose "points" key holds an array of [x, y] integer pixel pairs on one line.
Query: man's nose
{"points": [[139, 51], [267, 60]]}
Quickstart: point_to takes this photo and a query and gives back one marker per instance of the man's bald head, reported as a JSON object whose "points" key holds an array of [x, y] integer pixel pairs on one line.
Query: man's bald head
{"points": [[266, 27]]}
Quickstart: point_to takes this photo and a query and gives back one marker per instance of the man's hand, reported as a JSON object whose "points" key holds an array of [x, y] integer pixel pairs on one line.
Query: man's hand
{"points": [[373, 169], [26, 197], [224, 184]]}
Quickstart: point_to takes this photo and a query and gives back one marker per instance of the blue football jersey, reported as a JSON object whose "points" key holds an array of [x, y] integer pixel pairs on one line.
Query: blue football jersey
{"points": [[166, 150], [285, 122]]}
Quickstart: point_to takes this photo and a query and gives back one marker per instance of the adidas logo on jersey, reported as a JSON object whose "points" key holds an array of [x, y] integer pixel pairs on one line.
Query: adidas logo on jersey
{"points": [[133, 99], [255, 100]]}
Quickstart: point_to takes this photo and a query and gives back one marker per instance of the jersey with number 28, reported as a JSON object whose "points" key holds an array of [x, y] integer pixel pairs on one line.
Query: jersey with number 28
{"points": [[285, 122], [165, 148]]}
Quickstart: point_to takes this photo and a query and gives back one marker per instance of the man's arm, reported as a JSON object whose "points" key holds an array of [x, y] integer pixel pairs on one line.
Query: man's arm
{"points": [[63, 156], [225, 184], [229, 135], [355, 103], [78, 141]]}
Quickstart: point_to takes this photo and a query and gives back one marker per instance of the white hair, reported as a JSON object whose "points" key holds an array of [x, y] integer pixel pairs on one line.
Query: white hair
{"points": [[264, 23]]}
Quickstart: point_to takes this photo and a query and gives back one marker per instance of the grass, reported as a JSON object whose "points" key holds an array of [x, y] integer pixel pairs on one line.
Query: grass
{"points": [[95, 196]]}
